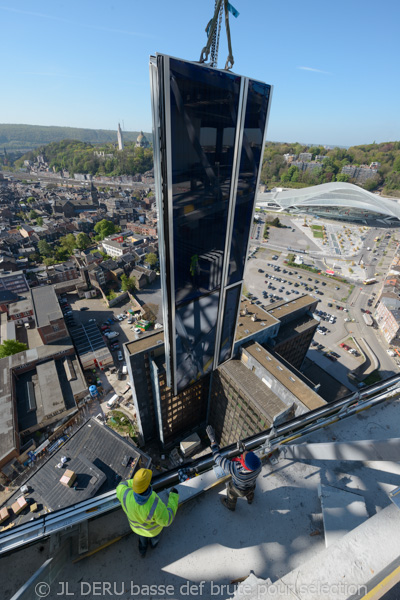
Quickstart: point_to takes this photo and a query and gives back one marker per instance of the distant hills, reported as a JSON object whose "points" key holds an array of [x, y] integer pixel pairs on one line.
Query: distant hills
{"points": [[22, 138]]}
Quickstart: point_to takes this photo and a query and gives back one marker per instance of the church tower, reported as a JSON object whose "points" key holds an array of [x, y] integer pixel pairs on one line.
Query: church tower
{"points": [[120, 138]]}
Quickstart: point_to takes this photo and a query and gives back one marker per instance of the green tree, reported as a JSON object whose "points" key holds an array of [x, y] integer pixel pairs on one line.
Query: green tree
{"points": [[32, 215], [371, 184], [151, 259], [9, 347], [104, 228], [128, 284], [45, 249], [396, 164], [30, 200], [39, 221], [342, 177], [82, 241], [68, 242]]}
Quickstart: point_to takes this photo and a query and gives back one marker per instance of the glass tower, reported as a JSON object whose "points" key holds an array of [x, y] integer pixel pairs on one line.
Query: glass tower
{"points": [[209, 129]]}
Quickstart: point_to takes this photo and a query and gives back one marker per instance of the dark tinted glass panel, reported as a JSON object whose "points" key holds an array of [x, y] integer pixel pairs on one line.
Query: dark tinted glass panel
{"points": [[204, 111], [229, 323], [250, 162], [195, 339]]}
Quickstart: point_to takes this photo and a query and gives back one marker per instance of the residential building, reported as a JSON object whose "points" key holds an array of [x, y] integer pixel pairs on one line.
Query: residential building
{"points": [[305, 157], [388, 319], [14, 282], [114, 248]]}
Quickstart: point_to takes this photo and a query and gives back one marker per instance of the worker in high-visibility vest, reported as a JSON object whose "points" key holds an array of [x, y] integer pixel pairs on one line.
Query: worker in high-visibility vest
{"points": [[146, 512]]}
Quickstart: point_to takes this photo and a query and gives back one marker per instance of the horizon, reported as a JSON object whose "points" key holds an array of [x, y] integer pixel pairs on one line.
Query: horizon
{"points": [[93, 72], [150, 132]]}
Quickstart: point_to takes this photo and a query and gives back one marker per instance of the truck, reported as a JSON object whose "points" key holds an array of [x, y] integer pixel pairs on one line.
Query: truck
{"points": [[368, 319]]}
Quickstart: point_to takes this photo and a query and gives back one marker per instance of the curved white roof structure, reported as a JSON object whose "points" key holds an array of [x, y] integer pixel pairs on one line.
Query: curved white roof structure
{"points": [[335, 200]]}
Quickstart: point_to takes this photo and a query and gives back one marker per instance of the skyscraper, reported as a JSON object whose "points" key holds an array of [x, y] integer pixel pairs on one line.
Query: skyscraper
{"points": [[209, 129]]}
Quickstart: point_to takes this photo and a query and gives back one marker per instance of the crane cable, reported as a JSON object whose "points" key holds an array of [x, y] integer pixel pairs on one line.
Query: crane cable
{"points": [[213, 31]]}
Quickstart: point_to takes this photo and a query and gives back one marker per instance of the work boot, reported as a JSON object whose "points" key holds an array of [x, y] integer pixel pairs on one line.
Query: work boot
{"points": [[225, 503], [142, 551]]}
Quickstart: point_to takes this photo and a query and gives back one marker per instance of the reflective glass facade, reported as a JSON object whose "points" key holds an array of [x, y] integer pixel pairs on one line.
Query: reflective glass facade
{"points": [[209, 131], [252, 147]]}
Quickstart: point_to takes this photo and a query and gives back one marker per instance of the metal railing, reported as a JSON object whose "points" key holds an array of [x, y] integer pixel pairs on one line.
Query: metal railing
{"points": [[265, 443]]}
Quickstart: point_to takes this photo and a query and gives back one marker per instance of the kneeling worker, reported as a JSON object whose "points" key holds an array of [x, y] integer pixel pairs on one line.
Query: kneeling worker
{"points": [[244, 470], [146, 512]]}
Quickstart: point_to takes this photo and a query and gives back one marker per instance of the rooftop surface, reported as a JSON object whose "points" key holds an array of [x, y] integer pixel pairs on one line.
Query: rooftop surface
{"points": [[45, 305], [244, 322], [7, 414], [281, 309], [87, 338], [291, 329], [294, 384], [145, 342], [95, 453], [266, 401], [282, 531], [19, 307]]}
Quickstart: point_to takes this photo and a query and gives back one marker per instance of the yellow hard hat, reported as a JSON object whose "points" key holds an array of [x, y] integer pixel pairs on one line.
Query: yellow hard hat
{"points": [[141, 480]]}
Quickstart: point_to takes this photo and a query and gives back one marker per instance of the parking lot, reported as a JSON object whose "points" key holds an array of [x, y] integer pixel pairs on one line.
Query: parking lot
{"points": [[269, 280], [90, 310]]}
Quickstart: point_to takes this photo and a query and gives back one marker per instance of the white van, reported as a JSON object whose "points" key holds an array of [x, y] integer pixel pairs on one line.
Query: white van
{"points": [[113, 401]]}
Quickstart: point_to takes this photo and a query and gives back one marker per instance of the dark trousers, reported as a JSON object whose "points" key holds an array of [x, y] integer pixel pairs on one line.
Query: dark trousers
{"points": [[233, 493], [143, 542]]}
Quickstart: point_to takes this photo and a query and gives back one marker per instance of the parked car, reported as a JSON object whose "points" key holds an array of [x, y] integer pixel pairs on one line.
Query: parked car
{"points": [[84, 308], [111, 335], [120, 356]]}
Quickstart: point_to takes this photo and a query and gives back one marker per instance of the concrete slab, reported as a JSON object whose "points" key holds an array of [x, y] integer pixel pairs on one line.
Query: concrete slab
{"points": [[341, 512]]}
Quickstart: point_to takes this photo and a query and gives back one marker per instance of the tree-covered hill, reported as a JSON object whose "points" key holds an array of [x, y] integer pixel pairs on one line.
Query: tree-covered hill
{"points": [[26, 137], [81, 157], [276, 171]]}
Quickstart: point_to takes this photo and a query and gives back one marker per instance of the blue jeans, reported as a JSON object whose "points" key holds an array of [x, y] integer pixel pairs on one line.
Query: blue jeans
{"points": [[143, 542]]}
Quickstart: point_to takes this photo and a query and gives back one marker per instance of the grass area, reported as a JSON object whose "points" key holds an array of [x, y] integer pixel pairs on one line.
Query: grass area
{"points": [[373, 377], [351, 288], [121, 424], [317, 227], [318, 234]]}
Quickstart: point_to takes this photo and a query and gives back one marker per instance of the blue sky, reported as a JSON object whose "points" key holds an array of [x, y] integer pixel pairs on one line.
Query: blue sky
{"points": [[334, 65]]}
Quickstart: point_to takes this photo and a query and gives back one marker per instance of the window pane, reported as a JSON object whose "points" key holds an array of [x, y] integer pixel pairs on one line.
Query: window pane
{"points": [[195, 339], [204, 111], [250, 162], [229, 323]]}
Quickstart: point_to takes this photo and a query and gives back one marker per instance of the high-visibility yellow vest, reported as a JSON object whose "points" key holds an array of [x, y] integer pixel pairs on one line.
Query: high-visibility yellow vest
{"points": [[146, 519]]}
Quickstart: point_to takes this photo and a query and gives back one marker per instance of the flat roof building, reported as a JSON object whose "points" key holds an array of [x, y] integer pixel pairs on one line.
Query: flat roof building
{"points": [[38, 387], [49, 318], [95, 453]]}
